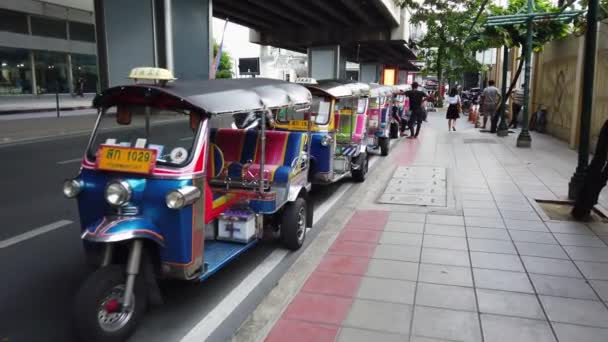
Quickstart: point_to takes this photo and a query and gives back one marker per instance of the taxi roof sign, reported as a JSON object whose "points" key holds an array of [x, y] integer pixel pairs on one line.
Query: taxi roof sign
{"points": [[306, 80], [149, 73]]}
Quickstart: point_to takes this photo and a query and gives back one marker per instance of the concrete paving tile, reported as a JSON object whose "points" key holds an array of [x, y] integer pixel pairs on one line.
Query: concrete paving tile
{"points": [[517, 206], [484, 222], [487, 203], [397, 216], [488, 233], [577, 333], [601, 287], [290, 330], [396, 252], [436, 229], [599, 228], [445, 242], [402, 270], [593, 270], [446, 324], [445, 257], [530, 236], [556, 267], [476, 212], [406, 239], [469, 190], [387, 290], [380, 316], [579, 240], [575, 311], [446, 296], [360, 335], [562, 286], [510, 329], [477, 197], [540, 250], [426, 339], [445, 220], [506, 262], [509, 304], [587, 253], [515, 198], [444, 274], [405, 227], [492, 246], [538, 226], [520, 215], [502, 280], [568, 227]]}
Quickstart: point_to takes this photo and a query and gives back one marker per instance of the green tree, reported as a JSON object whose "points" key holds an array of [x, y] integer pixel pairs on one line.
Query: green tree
{"points": [[447, 23], [225, 67]]}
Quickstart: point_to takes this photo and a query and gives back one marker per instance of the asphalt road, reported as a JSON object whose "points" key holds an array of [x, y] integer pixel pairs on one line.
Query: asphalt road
{"points": [[40, 275]]}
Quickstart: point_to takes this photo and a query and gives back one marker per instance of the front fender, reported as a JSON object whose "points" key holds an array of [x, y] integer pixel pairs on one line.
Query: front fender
{"points": [[116, 229]]}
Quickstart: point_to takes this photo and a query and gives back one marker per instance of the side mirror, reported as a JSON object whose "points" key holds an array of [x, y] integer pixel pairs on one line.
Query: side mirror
{"points": [[123, 115]]}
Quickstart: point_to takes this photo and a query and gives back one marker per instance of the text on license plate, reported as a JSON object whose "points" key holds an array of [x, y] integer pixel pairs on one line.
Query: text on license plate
{"points": [[298, 124], [125, 159]]}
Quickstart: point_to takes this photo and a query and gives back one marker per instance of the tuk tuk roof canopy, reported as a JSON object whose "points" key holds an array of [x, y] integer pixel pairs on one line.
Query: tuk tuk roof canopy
{"points": [[223, 96], [341, 88], [379, 90]]}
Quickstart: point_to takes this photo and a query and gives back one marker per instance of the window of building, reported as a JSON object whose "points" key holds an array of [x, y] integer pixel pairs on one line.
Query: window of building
{"points": [[13, 21], [15, 72], [84, 70], [48, 27], [51, 72], [82, 32]]}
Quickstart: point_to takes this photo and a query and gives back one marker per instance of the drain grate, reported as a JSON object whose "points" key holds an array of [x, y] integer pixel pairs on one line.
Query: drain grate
{"points": [[423, 186], [480, 141]]}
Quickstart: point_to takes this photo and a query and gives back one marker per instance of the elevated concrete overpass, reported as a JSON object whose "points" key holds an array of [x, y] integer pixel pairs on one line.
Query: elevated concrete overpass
{"points": [[177, 34]]}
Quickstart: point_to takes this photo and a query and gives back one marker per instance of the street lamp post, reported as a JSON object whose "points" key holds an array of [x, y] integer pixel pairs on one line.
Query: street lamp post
{"points": [[578, 179], [524, 139], [503, 129]]}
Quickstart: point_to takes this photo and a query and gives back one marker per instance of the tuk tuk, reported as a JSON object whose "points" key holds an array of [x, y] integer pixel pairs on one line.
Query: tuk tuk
{"points": [[403, 103], [338, 143], [378, 115], [167, 191]]}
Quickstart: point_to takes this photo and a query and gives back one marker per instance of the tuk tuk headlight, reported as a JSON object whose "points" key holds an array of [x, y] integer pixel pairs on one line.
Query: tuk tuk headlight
{"points": [[118, 193], [326, 140], [71, 188], [179, 198]]}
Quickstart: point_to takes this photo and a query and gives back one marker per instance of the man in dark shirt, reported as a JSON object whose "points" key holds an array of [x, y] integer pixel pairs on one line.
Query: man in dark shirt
{"points": [[417, 99]]}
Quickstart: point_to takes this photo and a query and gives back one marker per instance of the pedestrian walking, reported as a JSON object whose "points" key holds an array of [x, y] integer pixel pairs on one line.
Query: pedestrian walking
{"points": [[518, 102], [490, 98], [453, 113], [417, 99]]}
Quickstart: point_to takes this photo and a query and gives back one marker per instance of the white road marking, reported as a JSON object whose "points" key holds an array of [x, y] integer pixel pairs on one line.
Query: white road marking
{"points": [[33, 233], [203, 329], [186, 138], [69, 161]]}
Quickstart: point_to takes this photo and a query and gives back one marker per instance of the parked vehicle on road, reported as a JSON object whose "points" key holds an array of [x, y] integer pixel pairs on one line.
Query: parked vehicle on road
{"points": [[379, 117], [167, 191], [338, 144], [403, 103]]}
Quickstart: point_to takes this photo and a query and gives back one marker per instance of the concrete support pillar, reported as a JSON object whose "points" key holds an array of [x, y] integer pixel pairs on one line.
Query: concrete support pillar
{"points": [[370, 72], [33, 70], [163, 33], [326, 62], [70, 74]]}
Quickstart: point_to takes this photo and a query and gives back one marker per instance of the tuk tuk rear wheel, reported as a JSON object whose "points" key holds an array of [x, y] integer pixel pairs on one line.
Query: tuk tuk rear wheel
{"points": [[98, 312], [385, 145], [293, 224], [360, 173]]}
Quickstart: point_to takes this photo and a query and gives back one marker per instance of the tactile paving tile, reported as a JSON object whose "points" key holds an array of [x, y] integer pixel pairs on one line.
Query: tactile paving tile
{"points": [[422, 186]]}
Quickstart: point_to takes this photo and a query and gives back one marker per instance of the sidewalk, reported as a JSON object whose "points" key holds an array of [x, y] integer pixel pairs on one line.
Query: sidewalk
{"points": [[43, 103], [486, 265]]}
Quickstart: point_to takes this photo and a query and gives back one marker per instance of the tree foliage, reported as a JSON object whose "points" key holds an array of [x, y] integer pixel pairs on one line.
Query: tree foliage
{"points": [[225, 67]]}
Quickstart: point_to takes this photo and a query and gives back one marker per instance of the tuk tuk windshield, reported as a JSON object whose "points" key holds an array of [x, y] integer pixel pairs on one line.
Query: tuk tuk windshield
{"points": [[318, 108], [170, 133]]}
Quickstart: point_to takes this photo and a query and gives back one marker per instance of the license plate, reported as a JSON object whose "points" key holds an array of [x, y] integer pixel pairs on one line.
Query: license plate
{"points": [[126, 159], [298, 124]]}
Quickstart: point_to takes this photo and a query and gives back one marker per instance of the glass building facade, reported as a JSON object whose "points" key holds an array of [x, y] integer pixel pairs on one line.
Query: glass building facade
{"points": [[33, 71]]}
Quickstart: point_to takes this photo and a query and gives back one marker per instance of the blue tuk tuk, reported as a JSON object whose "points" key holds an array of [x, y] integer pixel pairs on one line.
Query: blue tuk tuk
{"points": [[167, 190]]}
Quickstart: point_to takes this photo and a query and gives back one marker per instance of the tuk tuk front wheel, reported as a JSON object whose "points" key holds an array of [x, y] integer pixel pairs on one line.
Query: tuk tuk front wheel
{"points": [[361, 172], [98, 311], [293, 224], [385, 146]]}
